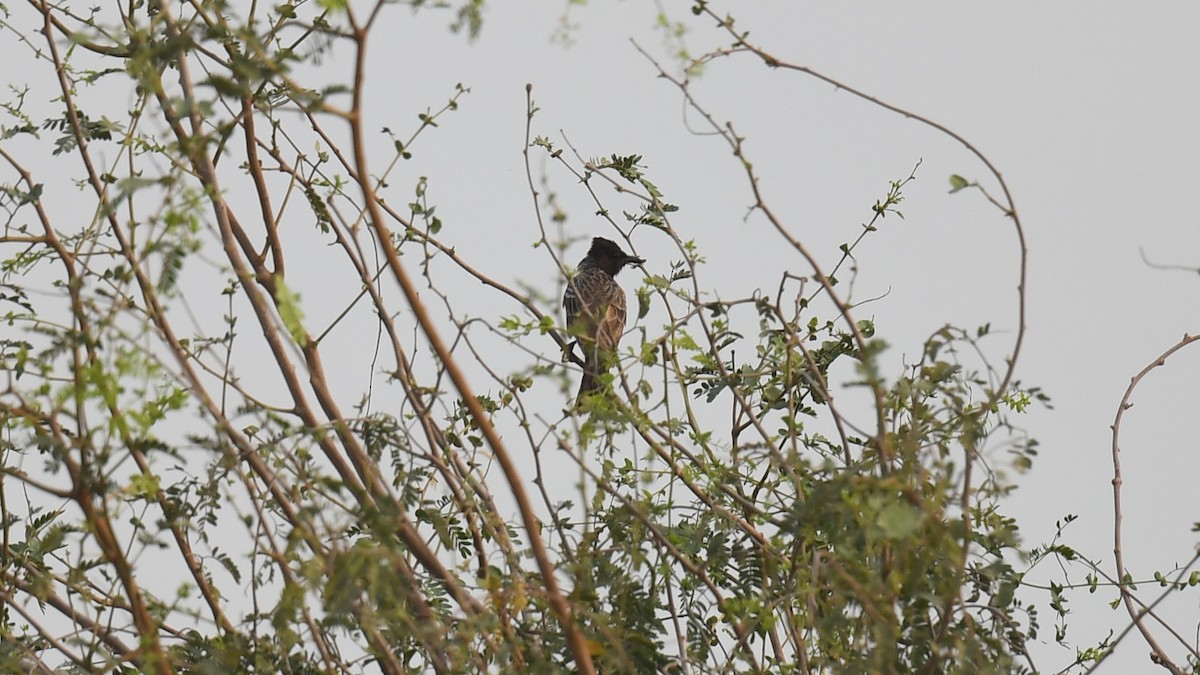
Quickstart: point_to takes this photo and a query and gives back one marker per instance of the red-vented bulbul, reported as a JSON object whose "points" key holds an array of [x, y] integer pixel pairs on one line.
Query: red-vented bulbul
{"points": [[595, 306]]}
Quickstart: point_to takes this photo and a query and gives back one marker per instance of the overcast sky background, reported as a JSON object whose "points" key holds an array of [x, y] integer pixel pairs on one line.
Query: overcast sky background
{"points": [[1088, 110]]}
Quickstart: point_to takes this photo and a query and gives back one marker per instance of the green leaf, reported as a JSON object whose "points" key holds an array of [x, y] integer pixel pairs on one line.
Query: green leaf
{"points": [[288, 303], [898, 520], [643, 297], [144, 484], [34, 194], [957, 183]]}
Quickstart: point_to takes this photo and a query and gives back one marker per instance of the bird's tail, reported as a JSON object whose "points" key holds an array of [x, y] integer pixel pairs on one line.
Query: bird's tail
{"points": [[589, 384]]}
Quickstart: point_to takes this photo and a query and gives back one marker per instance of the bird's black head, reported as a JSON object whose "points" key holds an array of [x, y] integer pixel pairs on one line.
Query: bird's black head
{"points": [[609, 256]]}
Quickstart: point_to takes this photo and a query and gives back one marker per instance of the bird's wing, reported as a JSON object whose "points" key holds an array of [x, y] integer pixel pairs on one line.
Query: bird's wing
{"points": [[612, 321], [571, 303]]}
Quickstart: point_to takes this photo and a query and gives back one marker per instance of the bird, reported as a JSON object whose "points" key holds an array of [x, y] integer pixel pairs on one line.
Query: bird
{"points": [[595, 306]]}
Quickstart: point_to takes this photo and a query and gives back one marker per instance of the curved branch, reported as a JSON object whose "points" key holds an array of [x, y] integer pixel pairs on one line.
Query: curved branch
{"points": [[1159, 656]]}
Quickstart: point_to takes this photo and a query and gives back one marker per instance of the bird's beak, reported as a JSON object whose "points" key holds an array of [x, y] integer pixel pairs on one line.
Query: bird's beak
{"points": [[634, 260]]}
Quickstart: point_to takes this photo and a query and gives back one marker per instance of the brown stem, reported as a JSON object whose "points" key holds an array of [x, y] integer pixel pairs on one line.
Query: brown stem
{"points": [[1159, 656], [562, 609]]}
